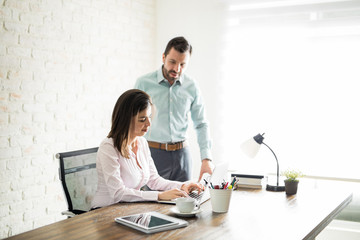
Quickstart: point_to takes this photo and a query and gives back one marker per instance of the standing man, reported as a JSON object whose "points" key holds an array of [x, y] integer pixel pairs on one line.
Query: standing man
{"points": [[174, 95]]}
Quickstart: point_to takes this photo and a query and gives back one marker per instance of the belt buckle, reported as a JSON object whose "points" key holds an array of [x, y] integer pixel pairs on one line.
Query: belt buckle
{"points": [[166, 147]]}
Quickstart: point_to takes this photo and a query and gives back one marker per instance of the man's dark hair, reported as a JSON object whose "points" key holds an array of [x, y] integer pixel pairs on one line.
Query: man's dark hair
{"points": [[180, 44]]}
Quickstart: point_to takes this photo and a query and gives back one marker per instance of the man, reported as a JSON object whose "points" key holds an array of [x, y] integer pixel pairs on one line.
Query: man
{"points": [[175, 95]]}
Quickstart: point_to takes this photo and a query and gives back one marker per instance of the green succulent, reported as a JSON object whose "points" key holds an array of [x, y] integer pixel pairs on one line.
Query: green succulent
{"points": [[292, 175]]}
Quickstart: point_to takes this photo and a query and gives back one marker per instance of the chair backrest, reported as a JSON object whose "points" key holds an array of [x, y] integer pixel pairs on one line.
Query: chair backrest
{"points": [[79, 178]]}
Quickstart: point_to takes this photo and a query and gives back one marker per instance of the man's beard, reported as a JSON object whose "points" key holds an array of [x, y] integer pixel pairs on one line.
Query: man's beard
{"points": [[168, 77]]}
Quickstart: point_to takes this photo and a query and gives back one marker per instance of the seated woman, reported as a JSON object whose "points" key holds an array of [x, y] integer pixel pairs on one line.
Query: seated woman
{"points": [[124, 162]]}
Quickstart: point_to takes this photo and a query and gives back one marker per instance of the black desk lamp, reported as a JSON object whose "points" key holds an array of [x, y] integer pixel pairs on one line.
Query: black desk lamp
{"points": [[251, 148]]}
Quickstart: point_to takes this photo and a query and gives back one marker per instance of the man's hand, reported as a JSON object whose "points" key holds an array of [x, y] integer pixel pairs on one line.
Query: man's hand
{"points": [[206, 167]]}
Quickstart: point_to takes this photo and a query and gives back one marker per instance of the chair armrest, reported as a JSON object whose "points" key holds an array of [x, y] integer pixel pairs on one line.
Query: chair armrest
{"points": [[68, 213]]}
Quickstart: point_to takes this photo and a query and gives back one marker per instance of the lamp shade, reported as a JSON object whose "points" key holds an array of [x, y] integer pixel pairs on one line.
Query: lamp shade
{"points": [[251, 147]]}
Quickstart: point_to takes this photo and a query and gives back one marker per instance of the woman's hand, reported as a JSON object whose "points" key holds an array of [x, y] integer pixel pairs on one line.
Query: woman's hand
{"points": [[186, 188], [171, 194], [189, 187]]}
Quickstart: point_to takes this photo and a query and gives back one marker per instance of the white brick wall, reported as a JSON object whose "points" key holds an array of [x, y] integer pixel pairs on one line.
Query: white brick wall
{"points": [[63, 64]]}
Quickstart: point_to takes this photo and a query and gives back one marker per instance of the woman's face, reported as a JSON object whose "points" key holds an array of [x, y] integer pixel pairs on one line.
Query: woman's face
{"points": [[141, 123]]}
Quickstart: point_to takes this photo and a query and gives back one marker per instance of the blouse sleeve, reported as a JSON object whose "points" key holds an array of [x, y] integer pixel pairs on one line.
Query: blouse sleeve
{"points": [[110, 167]]}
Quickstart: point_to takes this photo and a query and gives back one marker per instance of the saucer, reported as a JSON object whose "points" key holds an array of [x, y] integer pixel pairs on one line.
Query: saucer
{"points": [[181, 214]]}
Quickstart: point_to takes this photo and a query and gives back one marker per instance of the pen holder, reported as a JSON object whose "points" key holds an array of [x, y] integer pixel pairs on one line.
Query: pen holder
{"points": [[220, 199]]}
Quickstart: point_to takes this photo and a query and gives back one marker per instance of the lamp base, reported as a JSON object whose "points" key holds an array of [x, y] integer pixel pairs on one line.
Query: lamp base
{"points": [[275, 188]]}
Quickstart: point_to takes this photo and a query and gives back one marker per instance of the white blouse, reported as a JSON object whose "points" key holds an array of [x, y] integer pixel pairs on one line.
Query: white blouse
{"points": [[120, 179]]}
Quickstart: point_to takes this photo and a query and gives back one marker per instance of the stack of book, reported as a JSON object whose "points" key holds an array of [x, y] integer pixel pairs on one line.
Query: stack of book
{"points": [[248, 181]]}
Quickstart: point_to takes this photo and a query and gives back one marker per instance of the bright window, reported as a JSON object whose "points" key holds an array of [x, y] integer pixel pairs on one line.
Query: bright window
{"points": [[291, 69]]}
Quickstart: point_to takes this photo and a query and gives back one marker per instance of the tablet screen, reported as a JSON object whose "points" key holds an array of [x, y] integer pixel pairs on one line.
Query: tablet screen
{"points": [[147, 220]]}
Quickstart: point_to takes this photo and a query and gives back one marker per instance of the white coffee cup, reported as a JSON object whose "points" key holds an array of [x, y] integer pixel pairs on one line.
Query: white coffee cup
{"points": [[185, 205]]}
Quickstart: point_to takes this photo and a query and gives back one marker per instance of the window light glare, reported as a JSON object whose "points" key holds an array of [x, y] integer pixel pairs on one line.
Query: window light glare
{"points": [[276, 4]]}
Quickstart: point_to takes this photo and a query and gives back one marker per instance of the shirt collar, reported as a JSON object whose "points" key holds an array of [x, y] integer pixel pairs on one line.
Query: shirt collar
{"points": [[160, 77]]}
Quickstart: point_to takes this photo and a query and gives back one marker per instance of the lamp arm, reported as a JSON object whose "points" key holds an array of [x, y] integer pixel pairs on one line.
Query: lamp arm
{"points": [[277, 163]]}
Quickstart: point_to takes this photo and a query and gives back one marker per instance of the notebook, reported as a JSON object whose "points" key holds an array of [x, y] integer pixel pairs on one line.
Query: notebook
{"points": [[218, 175]]}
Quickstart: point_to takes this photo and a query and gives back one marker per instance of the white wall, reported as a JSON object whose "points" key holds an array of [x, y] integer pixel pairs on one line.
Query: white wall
{"points": [[63, 64]]}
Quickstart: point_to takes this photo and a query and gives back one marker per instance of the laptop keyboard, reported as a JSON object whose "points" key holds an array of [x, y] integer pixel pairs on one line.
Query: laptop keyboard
{"points": [[196, 195]]}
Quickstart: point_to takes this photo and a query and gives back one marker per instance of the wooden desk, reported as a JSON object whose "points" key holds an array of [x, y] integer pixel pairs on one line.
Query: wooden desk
{"points": [[253, 214]]}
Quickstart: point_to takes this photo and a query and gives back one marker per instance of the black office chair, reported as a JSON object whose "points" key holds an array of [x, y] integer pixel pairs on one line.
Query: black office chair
{"points": [[78, 176]]}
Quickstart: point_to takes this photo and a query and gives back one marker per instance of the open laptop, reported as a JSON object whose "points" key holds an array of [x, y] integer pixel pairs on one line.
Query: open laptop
{"points": [[218, 175]]}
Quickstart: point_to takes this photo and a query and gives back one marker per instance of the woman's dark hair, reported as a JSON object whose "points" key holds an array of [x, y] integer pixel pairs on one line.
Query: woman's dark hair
{"points": [[180, 44], [129, 104]]}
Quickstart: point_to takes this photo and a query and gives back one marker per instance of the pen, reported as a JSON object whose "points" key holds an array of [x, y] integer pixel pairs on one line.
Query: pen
{"points": [[227, 183], [206, 183], [237, 180], [233, 181]]}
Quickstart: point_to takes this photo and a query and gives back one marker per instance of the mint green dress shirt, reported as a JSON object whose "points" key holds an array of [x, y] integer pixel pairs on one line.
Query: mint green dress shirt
{"points": [[172, 107]]}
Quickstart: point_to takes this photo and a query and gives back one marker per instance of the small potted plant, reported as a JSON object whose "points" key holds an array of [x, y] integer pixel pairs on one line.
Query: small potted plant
{"points": [[291, 181]]}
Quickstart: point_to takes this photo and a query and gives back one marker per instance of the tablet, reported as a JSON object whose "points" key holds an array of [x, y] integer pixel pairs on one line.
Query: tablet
{"points": [[151, 222]]}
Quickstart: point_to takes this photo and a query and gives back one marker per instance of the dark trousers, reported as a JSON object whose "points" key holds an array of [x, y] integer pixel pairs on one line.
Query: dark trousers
{"points": [[173, 165]]}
